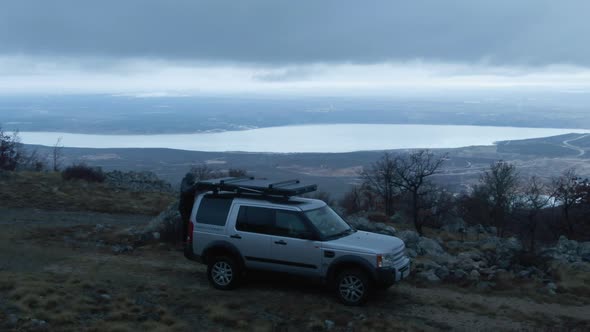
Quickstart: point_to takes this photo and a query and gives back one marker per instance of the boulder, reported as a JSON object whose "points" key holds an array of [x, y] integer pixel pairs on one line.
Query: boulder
{"points": [[458, 274], [167, 226], [425, 265], [412, 253], [329, 325], [364, 224], [442, 272], [566, 246], [584, 251], [568, 251], [551, 288], [426, 246], [474, 275], [410, 238], [491, 230], [428, 276], [444, 259], [466, 264], [121, 248], [455, 226], [500, 251], [485, 285]]}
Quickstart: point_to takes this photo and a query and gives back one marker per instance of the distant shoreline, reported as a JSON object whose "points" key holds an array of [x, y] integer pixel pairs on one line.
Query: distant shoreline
{"points": [[316, 138]]}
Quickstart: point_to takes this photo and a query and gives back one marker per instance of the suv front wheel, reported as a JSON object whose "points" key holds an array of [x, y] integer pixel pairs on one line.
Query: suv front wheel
{"points": [[223, 272], [352, 287]]}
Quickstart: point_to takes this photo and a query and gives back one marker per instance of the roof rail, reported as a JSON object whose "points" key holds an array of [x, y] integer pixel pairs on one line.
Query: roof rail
{"points": [[250, 185]]}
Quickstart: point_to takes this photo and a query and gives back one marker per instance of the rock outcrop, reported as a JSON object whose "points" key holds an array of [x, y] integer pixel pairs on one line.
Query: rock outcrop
{"points": [[568, 251], [137, 181], [167, 226]]}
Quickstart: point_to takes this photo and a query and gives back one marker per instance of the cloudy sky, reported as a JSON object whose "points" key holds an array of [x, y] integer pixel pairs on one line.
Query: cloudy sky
{"points": [[176, 47]]}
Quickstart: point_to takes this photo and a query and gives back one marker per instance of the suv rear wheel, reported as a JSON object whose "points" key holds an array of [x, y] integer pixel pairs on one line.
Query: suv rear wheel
{"points": [[223, 272], [352, 287]]}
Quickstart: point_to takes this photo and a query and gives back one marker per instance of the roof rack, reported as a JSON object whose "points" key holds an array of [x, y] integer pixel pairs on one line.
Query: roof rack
{"points": [[249, 185]]}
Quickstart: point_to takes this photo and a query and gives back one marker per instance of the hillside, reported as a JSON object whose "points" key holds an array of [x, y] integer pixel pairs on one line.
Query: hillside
{"points": [[85, 270], [49, 191]]}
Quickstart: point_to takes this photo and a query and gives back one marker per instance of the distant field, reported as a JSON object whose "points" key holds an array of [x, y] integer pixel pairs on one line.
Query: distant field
{"points": [[552, 147], [102, 114]]}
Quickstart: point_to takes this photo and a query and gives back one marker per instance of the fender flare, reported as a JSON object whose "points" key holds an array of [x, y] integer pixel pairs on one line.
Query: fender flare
{"points": [[350, 260], [222, 246]]}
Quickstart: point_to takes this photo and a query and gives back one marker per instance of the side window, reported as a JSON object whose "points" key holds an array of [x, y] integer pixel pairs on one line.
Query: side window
{"points": [[290, 224], [213, 210], [255, 219]]}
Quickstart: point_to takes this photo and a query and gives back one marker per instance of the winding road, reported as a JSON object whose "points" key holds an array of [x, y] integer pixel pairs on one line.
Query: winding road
{"points": [[581, 151]]}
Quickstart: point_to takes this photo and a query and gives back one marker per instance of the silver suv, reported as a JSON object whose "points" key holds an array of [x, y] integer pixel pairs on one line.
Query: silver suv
{"points": [[243, 224]]}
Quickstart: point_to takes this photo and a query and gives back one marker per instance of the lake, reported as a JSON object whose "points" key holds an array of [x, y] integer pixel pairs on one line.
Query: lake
{"points": [[307, 138]]}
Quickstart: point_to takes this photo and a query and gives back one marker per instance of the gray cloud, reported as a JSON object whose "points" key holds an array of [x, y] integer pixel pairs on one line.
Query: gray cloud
{"points": [[499, 32]]}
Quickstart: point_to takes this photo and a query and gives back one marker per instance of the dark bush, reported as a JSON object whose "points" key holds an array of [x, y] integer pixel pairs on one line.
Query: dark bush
{"points": [[83, 172], [378, 217], [10, 154]]}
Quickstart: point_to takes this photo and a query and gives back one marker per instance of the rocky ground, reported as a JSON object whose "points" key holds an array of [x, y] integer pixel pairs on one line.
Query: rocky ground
{"points": [[88, 271], [475, 258]]}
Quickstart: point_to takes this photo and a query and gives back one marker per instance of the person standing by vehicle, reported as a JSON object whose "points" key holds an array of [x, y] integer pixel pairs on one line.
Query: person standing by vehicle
{"points": [[187, 199]]}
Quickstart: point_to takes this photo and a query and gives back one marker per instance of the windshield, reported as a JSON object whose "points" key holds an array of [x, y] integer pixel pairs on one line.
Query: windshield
{"points": [[328, 222]]}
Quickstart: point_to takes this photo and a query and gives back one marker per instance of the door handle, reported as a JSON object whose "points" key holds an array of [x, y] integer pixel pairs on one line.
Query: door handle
{"points": [[236, 236], [283, 243]]}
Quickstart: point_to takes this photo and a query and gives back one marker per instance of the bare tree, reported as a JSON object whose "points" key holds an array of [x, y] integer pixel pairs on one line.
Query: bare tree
{"points": [[411, 173], [380, 179], [34, 161], [437, 206], [535, 198], [57, 155], [352, 202], [499, 185], [407, 174], [566, 192], [324, 196]]}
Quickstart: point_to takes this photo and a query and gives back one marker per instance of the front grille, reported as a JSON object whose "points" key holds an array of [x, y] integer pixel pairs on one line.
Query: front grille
{"points": [[398, 254]]}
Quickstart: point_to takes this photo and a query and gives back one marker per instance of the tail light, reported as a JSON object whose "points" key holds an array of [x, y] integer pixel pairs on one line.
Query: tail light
{"points": [[189, 235]]}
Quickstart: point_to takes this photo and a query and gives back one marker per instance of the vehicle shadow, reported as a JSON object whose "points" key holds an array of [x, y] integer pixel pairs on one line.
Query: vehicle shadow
{"points": [[259, 280], [296, 285]]}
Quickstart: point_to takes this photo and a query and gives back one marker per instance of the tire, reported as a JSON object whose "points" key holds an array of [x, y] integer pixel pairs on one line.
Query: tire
{"points": [[352, 287], [223, 272]]}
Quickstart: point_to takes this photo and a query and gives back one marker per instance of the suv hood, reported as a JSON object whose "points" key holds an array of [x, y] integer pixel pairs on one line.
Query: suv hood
{"points": [[361, 241]]}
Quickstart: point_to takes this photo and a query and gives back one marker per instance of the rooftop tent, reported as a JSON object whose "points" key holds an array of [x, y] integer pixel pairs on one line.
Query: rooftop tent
{"points": [[250, 185]]}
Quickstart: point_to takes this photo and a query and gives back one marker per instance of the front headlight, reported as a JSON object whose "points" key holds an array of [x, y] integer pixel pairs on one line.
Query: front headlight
{"points": [[388, 260], [385, 260]]}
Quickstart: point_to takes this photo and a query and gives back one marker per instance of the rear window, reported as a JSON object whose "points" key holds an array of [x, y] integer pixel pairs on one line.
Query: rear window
{"points": [[213, 210]]}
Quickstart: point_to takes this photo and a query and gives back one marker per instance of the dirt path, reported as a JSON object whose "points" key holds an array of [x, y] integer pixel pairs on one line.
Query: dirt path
{"points": [[48, 281]]}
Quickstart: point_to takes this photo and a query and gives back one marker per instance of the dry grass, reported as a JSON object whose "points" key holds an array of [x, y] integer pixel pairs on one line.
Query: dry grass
{"points": [[570, 280], [50, 191], [67, 304]]}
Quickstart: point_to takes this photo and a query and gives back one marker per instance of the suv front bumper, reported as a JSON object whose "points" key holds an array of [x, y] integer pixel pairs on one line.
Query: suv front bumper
{"points": [[387, 276]]}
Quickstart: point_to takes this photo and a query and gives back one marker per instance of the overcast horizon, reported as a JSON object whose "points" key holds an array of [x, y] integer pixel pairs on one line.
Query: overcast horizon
{"points": [[161, 48]]}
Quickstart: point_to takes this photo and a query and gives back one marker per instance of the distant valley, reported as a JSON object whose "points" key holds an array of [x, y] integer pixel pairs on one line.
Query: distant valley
{"points": [[336, 172]]}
